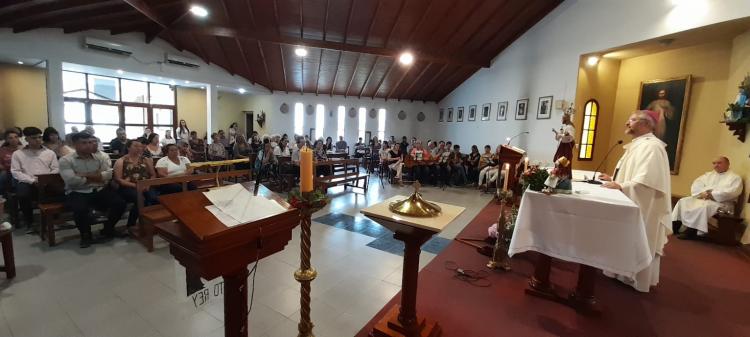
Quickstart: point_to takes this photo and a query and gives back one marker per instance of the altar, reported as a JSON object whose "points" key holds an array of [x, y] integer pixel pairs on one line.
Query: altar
{"points": [[593, 226]]}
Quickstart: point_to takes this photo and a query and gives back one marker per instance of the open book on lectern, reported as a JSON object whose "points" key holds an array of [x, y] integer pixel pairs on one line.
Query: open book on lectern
{"points": [[234, 205]]}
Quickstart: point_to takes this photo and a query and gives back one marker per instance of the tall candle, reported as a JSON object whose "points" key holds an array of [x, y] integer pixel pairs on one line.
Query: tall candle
{"points": [[306, 169], [506, 168], [526, 164]]}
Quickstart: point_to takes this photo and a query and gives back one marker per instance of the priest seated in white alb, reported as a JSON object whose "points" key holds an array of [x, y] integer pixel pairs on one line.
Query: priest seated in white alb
{"points": [[714, 191]]}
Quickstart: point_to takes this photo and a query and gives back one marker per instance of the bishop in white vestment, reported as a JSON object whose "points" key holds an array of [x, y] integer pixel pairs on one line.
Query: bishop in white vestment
{"points": [[713, 191], [642, 174]]}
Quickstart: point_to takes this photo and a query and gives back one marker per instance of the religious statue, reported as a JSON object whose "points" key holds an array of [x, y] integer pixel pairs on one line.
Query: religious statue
{"points": [[559, 178]]}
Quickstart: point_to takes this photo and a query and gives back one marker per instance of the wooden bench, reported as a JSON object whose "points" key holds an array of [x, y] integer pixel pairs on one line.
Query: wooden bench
{"points": [[153, 214], [343, 172]]}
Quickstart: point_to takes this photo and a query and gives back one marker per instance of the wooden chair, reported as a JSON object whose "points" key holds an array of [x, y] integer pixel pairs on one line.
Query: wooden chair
{"points": [[727, 229], [9, 266], [153, 214], [51, 193]]}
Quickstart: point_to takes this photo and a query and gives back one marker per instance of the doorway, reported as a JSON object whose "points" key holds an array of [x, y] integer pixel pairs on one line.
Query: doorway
{"points": [[249, 124]]}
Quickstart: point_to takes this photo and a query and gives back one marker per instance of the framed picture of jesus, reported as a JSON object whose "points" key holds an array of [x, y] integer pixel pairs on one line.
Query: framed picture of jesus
{"points": [[670, 98]]}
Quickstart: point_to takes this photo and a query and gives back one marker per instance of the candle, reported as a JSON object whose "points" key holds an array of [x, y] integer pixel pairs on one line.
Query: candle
{"points": [[506, 168], [306, 169], [526, 164]]}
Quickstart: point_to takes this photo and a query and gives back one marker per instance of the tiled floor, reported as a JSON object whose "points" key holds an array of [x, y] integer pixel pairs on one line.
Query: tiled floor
{"points": [[119, 289]]}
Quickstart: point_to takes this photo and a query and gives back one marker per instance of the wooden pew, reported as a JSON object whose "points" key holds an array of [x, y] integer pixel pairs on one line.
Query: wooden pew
{"points": [[346, 176], [153, 214]]}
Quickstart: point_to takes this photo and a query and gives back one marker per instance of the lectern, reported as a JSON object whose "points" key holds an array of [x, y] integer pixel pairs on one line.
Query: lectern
{"points": [[414, 232], [512, 156], [208, 248]]}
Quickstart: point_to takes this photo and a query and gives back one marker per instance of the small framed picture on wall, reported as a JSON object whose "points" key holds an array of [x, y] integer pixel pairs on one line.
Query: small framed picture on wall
{"points": [[440, 115], [522, 105], [450, 115], [460, 114], [544, 109], [472, 112], [502, 111], [486, 107]]}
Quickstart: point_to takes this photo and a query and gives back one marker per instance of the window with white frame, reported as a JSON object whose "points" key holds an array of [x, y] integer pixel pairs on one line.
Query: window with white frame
{"points": [[299, 119], [340, 129], [381, 124], [319, 120], [362, 122]]}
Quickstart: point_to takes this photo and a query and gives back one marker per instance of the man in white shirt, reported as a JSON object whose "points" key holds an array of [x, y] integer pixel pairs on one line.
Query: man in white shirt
{"points": [[713, 191], [25, 164], [642, 174]]}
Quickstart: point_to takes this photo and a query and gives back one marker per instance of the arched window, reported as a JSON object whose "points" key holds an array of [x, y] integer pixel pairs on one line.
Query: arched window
{"points": [[362, 124], [341, 121], [381, 124], [298, 119], [588, 130], [319, 121]]}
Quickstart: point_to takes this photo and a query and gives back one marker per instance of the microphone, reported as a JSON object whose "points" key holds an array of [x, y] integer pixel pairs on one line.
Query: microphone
{"points": [[593, 179], [514, 137]]}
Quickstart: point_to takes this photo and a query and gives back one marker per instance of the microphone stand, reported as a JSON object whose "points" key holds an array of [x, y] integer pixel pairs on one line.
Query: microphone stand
{"points": [[593, 179], [514, 137]]}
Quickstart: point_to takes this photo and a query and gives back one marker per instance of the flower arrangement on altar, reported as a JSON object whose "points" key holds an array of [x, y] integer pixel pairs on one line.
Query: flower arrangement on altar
{"points": [[533, 178], [314, 201], [740, 108]]}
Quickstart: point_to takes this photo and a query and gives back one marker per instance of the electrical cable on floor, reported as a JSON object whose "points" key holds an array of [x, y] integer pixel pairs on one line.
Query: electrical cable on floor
{"points": [[254, 270], [475, 278]]}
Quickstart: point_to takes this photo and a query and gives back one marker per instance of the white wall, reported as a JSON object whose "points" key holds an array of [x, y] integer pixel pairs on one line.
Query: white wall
{"points": [[55, 47], [544, 61], [284, 123]]}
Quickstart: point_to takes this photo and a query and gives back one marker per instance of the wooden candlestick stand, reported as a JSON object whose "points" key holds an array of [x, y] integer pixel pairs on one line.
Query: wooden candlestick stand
{"points": [[306, 273]]}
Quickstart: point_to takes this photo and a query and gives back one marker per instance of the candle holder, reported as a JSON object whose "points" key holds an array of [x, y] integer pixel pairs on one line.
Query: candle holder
{"points": [[500, 259], [308, 203]]}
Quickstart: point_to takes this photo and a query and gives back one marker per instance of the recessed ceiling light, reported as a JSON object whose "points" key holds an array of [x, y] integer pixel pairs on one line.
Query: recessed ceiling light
{"points": [[199, 11], [241, 90], [203, 87], [406, 58], [159, 77], [119, 71], [20, 62], [592, 60], [301, 52], [187, 82]]}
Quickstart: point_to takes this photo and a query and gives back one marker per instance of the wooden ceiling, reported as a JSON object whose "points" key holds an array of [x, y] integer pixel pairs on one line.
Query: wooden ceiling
{"points": [[353, 45]]}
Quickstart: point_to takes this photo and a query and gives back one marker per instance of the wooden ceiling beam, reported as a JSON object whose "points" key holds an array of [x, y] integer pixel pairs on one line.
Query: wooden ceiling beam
{"points": [[145, 9], [460, 26], [535, 18], [395, 22], [398, 83], [265, 65], [224, 54], [292, 41], [372, 23], [283, 67], [336, 73], [348, 20], [482, 25], [276, 19], [325, 19], [432, 79], [447, 90], [421, 73], [354, 72], [317, 80], [387, 72], [441, 83], [116, 19], [244, 61], [120, 28], [301, 21], [251, 13], [368, 77], [201, 52], [53, 18], [421, 21], [31, 10]]}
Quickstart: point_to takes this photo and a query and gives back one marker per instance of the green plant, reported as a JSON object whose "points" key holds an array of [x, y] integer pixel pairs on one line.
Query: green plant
{"points": [[534, 178]]}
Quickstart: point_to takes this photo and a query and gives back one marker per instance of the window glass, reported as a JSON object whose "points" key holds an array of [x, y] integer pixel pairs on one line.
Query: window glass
{"points": [[319, 120], [134, 131], [106, 132], [69, 127], [340, 130], [163, 116], [134, 91], [74, 112], [103, 113], [104, 88], [588, 129], [74, 84], [136, 115], [161, 94], [381, 124], [298, 119], [362, 124]]}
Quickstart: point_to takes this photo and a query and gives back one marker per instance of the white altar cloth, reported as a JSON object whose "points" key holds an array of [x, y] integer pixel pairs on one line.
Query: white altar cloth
{"points": [[594, 226]]}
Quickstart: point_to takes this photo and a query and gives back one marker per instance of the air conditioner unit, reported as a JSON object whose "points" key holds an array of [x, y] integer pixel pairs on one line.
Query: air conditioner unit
{"points": [[107, 46], [180, 61]]}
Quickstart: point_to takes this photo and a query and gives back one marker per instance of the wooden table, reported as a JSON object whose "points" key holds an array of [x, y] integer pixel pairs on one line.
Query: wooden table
{"points": [[414, 232], [209, 249]]}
